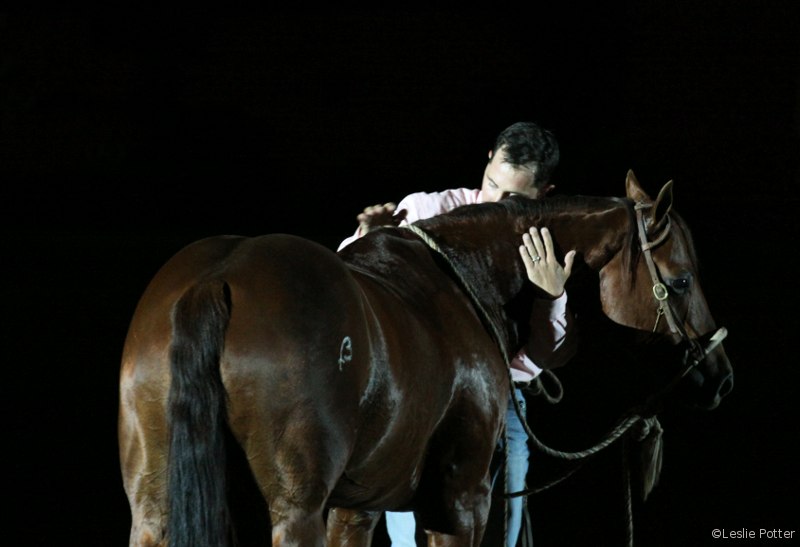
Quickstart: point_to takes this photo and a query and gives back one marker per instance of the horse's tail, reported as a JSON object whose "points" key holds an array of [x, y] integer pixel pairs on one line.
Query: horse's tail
{"points": [[198, 511]]}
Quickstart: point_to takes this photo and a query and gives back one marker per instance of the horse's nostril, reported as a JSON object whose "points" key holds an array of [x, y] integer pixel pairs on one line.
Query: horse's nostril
{"points": [[726, 386]]}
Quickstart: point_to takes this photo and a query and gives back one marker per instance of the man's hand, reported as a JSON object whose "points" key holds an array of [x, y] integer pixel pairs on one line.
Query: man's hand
{"points": [[376, 216], [543, 269]]}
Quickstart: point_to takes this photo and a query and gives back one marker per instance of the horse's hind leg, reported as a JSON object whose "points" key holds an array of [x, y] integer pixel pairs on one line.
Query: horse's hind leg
{"points": [[296, 460], [295, 497], [146, 488], [296, 526], [143, 443], [349, 528]]}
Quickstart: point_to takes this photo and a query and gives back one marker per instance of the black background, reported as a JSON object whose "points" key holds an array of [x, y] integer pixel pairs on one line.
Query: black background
{"points": [[124, 136]]}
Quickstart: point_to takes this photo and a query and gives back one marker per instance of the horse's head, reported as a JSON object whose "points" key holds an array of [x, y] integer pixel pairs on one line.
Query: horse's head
{"points": [[655, 287]]}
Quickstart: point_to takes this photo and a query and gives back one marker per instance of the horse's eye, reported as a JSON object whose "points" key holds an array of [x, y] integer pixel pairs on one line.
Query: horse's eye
{"points": [[680, 284]]}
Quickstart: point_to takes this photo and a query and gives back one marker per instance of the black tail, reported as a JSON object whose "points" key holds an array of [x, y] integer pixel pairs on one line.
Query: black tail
{"points": [[198, 511]]}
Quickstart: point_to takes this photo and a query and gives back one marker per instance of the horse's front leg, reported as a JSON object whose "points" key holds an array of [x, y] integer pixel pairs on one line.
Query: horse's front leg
{"points": [[437, 539], [349, 528]]}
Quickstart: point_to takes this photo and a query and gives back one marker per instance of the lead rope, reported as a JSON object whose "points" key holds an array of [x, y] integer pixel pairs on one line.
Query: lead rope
{"points": [[624, 425], [648, 425], [536, 389]]}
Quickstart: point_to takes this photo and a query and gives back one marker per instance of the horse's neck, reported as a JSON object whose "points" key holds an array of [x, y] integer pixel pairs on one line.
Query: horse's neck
{"points": [[596, 234], [484, 254]]}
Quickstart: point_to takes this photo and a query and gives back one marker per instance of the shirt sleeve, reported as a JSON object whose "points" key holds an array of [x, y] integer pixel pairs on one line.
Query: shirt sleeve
{"points": [[552, 342], [421, 205], [347, 241]]}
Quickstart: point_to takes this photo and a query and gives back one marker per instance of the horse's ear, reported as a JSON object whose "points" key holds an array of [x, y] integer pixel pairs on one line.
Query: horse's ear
{"points": [[634, 190], [661, 208], [655, 216]]}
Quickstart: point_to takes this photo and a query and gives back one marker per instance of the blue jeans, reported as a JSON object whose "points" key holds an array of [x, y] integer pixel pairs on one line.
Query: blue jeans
{"points": [[516, 466], [401, 526]]}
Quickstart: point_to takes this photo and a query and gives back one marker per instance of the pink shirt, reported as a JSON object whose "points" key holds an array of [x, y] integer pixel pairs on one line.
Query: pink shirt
{"points": [[549, 317]]}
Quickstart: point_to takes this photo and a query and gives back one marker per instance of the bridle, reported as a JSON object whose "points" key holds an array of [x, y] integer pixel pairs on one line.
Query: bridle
{"points": [[696, 352]]}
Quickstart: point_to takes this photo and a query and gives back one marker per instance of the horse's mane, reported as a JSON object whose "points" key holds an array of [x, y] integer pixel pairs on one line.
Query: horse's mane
{"points": [[516, 206], [521, 213]]}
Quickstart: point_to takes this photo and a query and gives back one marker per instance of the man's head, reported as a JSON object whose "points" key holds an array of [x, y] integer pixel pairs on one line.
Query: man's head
{"points": [[521, 162]]}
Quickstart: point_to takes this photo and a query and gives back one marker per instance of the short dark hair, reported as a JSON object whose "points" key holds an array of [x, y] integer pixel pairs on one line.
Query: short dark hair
{"points": [[526, 143]]}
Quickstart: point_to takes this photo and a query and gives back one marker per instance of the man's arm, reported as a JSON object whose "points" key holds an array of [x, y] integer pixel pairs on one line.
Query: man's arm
{"points": [[411, 208], [374, 217], [552, 342]]}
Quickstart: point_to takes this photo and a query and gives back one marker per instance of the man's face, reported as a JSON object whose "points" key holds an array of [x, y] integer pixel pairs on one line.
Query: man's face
{"points": [[501, 179]]}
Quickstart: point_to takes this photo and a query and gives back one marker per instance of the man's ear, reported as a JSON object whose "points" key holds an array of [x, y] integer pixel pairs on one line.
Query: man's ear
{"points": [[490, 153]]}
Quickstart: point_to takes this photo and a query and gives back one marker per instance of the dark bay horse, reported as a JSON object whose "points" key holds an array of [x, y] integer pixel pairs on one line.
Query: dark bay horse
{"points": [[373, 379]]}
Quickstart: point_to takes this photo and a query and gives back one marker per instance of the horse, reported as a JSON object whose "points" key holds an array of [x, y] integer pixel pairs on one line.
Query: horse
{"points": [[374, 378]]}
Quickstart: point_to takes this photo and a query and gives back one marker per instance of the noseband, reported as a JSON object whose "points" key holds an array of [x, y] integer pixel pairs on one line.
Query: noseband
{"points": [[696, 352]]}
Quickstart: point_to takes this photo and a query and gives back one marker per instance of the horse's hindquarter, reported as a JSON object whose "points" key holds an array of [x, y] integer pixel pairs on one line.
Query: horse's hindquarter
{"points": [[144, 381]]}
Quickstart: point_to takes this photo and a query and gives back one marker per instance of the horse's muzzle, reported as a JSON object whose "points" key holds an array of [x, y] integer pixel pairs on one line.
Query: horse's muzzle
{"points": [[707, 370]]}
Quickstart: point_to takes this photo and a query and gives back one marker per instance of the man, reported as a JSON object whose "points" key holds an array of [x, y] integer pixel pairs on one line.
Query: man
{"points": [[521, 162]]}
